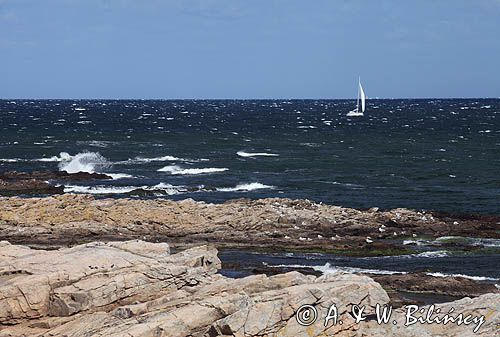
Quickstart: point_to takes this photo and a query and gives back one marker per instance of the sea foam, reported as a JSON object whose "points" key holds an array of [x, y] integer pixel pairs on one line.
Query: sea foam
{"points": [[256, 154], [83, 162], [245, 187], [177, 170], [101, 189]]}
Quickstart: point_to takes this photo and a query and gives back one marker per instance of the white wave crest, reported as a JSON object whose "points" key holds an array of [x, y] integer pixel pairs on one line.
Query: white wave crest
{"points": [[83, 162], [477, 278], [245, 187], [164, 158], [177, 170], [101, 189], [139, 160], [117, 176], [63, 156], [11, 160], [329, 269], [437, 253], [417, 242], [256, 154]]}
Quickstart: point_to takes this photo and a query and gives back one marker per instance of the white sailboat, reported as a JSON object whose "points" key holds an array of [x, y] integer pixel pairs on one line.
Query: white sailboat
{"points": [[361, 97]]}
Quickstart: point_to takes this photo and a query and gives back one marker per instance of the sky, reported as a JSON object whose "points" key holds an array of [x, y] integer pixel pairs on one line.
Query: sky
{"points": [[204, 49]]}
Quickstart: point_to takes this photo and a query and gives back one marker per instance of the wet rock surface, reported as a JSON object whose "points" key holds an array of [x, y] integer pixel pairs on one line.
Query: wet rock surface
{"points": [[135, 288], [38, 182]]}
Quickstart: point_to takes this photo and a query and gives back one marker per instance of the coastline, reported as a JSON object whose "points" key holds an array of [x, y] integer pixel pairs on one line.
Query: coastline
{"points": [[264, 226], [142, 289]]}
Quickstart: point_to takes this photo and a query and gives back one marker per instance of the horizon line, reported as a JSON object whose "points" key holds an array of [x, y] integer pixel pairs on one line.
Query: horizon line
{"points": [[232, 99]]}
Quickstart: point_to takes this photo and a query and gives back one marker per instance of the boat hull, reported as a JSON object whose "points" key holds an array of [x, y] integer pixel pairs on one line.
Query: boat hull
{"points": [[354, 114]]}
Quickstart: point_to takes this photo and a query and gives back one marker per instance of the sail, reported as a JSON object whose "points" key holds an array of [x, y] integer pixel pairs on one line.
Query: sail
{"points": [[363, 97]]}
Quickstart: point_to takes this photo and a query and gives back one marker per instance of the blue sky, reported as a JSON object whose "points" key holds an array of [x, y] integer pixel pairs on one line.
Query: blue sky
{"points": [[249, 49]]}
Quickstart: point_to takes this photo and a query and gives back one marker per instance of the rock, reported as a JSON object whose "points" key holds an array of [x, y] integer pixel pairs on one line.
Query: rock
{"points": [[28, 186], [421, 282], [37, 182], [64, 282], [52, 175], [267, 223], [135, 288]]}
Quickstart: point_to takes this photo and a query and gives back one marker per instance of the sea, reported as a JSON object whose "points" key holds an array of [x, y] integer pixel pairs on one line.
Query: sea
{"points": [[424, 154]]}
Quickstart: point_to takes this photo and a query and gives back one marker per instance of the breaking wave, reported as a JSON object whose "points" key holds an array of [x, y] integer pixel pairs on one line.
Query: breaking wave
{"points": [[164, 158], [117, 176], [437, 253], [83, 162], [256, 154], [177, 170], [11, 160], [138, 160], [477, 278], [245, 187], [63, 156], [166, 188], [329, 269]]}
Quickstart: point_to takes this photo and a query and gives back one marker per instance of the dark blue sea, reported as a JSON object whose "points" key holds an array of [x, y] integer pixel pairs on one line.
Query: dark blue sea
{"points": [[434, 154]]}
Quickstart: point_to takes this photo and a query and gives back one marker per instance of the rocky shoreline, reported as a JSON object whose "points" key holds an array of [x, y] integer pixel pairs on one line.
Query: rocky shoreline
{"points": [[57, 222], [268, 224], [403, 289], [135, 288]]}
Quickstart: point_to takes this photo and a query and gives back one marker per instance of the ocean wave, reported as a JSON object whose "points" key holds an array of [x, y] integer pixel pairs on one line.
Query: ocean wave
{"points": [[431, 254], [476, 278], [256, 154], [11, 160], [177, 170], [97, 143], [139, 160], [117, 176], [163, 158], [348, 185], [101, 189], [329, 269], [468, 241], [417, 242], [485, 242], [83, 162], [62, 156], [245, 187]]}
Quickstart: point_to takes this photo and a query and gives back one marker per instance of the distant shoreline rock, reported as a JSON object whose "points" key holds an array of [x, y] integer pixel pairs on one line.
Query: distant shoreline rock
{"points": [[38, 182]]}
